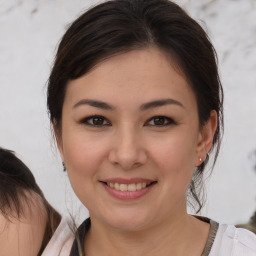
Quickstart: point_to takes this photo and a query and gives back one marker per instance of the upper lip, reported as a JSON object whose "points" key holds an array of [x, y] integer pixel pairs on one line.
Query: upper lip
{"points": [[127, 181]]}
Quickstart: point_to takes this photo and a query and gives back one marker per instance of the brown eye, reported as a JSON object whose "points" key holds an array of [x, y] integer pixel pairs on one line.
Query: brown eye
{"points": [[95, 121], [160, 121]]}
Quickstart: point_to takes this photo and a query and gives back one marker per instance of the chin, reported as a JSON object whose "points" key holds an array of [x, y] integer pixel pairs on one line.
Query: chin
{"points": [[127, 221]]}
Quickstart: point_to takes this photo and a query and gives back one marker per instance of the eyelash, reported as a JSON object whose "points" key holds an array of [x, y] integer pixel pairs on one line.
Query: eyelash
{"points": [[166, 121], [87, 120]]}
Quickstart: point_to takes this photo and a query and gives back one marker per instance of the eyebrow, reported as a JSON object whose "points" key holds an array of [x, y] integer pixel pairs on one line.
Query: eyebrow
{"points": [[160, 103], [94, 103], [145, 106]]}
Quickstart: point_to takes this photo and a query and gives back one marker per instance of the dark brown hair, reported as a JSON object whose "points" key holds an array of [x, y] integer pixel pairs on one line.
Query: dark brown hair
{"points": [[118, 26], [16, 184]]}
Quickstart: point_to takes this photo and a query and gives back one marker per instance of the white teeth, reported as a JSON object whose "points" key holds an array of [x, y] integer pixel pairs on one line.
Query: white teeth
{"points": [[138, 186], [116, 186], [128, 187], [131, 187], [123, 187]]}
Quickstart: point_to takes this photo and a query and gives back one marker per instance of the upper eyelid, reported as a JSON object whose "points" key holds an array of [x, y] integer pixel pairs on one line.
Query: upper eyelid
{"points": [[166, 117]]}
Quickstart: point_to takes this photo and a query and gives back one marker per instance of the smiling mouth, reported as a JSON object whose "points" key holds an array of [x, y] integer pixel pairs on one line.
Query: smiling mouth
{"points": [[129, 187]]}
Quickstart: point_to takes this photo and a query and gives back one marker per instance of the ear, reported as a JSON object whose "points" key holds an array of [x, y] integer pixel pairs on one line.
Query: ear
{"points": [[58, 137], [205, 138]]}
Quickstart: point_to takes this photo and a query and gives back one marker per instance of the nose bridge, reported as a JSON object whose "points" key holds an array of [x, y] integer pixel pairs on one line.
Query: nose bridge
{"points": [[128, 150]]}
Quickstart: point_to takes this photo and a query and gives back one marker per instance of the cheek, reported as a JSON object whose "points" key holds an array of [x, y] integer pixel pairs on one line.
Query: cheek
{"points": [[175, 152], [174, 158], [83, 161], [83, 155]]}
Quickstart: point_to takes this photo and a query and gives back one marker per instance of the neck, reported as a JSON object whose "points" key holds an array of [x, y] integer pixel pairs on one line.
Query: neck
{"points": [[180, 235]]}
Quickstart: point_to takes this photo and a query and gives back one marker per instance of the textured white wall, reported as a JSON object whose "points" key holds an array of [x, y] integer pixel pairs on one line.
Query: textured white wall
{"points": [[29, 32]]}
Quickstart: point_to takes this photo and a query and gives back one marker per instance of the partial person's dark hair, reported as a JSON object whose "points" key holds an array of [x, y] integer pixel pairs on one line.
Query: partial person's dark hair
{"points": [[119, 26], [16, 183]]}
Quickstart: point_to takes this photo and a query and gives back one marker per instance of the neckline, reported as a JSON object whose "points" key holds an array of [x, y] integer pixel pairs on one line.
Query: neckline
{"points": [[212, 234], [77, 247]]}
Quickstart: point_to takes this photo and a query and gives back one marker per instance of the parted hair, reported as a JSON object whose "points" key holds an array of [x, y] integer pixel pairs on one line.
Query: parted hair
{"points": [[119, 26]]}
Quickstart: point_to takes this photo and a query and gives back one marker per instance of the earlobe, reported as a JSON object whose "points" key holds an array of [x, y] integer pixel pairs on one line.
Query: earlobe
{"points": [[205, 138]]}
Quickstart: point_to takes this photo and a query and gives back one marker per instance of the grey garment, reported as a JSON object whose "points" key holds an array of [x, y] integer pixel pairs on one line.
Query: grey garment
{"points": [[212, 234], [77, 247]]}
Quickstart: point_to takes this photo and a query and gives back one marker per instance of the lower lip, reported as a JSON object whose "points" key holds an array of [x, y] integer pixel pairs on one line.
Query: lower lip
{"points": [[127, 194]]}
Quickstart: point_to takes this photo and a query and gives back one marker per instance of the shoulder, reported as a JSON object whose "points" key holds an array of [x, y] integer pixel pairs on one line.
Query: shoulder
{"points": [[61, 241], [22, 235], [230, 239]]}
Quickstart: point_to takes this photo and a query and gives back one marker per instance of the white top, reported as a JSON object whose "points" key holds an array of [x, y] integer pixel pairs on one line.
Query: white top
{"points": [[229, 241], [61, 241], [232, 241]]}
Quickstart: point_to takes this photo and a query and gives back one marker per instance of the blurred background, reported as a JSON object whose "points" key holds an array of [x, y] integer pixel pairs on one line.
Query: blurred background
{"points": [[29, 33]]}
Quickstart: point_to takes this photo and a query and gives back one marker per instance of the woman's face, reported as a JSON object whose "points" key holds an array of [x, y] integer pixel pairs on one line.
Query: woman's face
{"points": [[130, 139]]}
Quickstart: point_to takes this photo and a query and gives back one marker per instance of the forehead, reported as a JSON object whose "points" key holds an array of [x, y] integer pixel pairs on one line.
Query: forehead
{"points": [[137, 75]]}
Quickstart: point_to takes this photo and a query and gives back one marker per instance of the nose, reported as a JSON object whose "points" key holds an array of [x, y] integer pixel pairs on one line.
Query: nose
{"points": [[128, 150]]}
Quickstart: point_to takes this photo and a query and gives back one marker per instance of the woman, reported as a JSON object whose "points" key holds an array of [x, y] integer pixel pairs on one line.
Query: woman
{"points": [[135, 101], [27, 220]]}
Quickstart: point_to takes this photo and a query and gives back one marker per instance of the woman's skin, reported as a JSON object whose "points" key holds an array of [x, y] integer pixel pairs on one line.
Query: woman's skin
{"points": [[23, 235], [131, 120]]}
